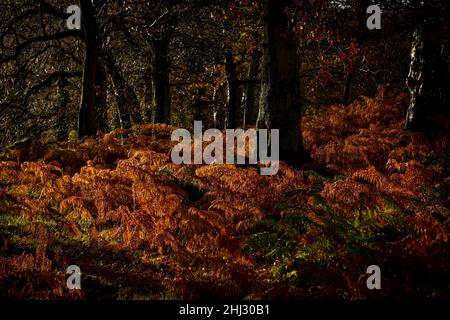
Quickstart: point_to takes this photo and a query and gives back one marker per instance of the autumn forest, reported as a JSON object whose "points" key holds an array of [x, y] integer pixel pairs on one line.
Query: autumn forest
{"points": [[348, 101]]}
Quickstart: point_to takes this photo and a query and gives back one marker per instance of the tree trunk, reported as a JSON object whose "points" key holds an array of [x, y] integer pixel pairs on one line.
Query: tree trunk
{"points": [[161, 86], [87, 121], [280, 101], [100, 102], [250, 109], [347, 87], [427, 80], [219, 106], [215, 107], [361, 33], [127, 101], [232, 103]]}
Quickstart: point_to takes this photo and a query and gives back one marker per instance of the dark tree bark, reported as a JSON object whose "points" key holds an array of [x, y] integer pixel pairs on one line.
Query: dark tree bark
{"points": [[232, 103], [427, 79], [87, 121], [280, 100], [215, 105], [161, 86], [127, 101], [100, 102], [251, 87], [219, 112]]}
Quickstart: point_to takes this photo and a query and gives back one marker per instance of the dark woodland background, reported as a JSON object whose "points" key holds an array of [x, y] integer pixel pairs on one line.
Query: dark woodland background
{"points": [[85, 171]]}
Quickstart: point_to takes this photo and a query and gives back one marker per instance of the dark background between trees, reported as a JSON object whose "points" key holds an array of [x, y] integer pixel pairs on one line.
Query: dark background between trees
{"points": [[227, 63]]}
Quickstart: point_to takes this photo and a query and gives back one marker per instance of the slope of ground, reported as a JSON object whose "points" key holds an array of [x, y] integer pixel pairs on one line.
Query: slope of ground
{"points": [[141, 227]]}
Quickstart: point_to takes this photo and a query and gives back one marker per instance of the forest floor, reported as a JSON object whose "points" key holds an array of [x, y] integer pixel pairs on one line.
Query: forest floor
{"points": [[140, 227]]}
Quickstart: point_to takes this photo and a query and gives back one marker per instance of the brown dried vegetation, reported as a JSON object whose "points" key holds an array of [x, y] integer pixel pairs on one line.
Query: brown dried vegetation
{"points": [[141, 227]]}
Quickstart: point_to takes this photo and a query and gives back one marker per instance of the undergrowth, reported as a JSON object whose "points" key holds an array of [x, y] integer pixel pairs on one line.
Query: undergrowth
{"points": [[141, 227]]}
